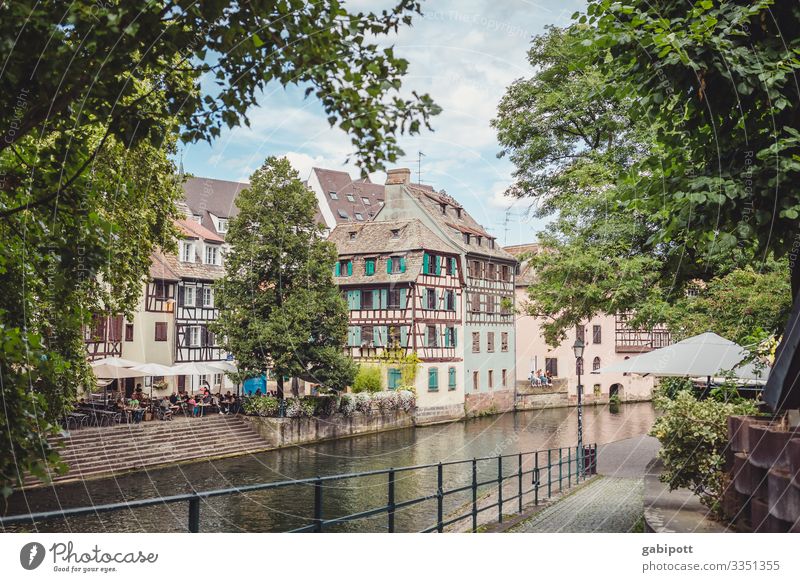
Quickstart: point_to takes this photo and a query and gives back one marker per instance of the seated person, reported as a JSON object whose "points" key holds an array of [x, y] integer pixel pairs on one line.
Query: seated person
{"points": [[173, 399], [119, 404], [133, 402]]}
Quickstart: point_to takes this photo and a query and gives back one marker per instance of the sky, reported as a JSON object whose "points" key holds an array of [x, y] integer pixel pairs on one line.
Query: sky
{"points": [[464, 54]]}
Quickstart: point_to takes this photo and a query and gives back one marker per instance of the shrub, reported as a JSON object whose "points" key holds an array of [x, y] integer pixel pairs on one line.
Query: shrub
{"points": [[326, 405], [364, 402], [385, 401], [261, 405], [669, 387], [406, 400], [300, 407], [693, 435], [347, 404], [613, 403], [368, 379]]}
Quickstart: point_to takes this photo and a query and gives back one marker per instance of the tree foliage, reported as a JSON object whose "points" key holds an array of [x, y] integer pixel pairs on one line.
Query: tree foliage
{"points": [[368, 379], [279, 308]]}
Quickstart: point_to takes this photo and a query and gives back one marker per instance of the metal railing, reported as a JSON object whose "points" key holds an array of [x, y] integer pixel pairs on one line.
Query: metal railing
{"points": [[549, 471]]}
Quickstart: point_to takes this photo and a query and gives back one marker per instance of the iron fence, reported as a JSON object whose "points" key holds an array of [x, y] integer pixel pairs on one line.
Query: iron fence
{"points": [[536, 474]]}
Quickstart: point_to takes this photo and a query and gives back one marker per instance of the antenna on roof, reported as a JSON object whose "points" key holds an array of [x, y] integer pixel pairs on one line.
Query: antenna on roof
{"points": [[420, 155]]}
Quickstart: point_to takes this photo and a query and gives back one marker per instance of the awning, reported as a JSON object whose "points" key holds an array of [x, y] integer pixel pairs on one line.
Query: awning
{"points": [[703, 355]]}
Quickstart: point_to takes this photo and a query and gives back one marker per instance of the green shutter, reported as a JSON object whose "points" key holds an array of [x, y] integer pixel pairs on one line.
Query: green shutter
{"points": [[402, 264], [357, 335], [381, 333], [389, 265], [404, 336], [349, 268], [438, 265], [451, 381], [433, 379], [451, 265], [403, 295], [357, 299], [384, 298], [338, 270], [455, 337], [426, 262], [394, 378], [370, 267]]}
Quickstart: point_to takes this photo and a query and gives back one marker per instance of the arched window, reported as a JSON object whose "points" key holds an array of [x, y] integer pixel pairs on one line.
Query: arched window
{"points": [[579, 366], [595, 364]]}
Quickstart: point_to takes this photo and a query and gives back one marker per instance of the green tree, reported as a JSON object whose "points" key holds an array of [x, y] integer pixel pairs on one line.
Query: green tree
{"points": [[93, 96], [279, 308], [368, 379]]}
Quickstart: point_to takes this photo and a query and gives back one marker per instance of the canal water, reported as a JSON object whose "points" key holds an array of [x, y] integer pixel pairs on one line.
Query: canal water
{"points": [[280, 510]]}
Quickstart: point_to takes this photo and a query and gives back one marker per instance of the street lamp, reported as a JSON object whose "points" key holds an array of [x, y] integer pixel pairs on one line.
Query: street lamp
{"points": [[577, 348]]}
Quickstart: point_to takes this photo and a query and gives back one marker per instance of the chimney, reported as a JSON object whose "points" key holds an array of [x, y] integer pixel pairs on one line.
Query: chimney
{"points": [[398, 176]]}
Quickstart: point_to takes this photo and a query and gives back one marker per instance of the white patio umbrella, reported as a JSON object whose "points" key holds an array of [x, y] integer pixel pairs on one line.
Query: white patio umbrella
{"points": [[705, 355], [114, 361], [115, 372], [224, 366], [193, 369], [154, 370]]}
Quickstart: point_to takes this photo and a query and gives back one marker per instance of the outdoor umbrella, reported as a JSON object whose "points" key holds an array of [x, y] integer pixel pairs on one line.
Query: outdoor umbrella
{"points": [[705, 355], [116, 372], [223, 366], [115, 361], [194, 369], [153, 370]]}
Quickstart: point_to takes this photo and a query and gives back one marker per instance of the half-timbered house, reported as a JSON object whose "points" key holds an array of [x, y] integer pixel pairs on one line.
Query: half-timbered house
{"points": [[403, 287]]}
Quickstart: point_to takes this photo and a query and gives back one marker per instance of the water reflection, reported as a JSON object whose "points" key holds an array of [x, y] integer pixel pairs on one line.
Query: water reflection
{"points": [[284, 509]]}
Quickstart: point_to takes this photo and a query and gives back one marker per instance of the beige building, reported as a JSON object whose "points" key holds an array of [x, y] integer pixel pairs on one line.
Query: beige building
{"points": [[608, 339]]}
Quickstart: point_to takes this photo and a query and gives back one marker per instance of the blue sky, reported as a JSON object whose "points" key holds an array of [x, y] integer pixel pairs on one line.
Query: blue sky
{"points": [[464, 54]]}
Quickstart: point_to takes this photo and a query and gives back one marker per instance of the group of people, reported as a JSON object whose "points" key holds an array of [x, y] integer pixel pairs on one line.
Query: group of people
{"points": [[196, 404], [542, 378]]}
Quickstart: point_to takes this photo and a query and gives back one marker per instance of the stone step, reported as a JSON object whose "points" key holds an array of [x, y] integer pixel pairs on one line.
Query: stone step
{"points": [[151, 427]]}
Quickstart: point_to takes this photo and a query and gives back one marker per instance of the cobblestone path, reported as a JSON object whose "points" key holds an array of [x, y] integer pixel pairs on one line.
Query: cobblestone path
{"points": [[612, 502]]}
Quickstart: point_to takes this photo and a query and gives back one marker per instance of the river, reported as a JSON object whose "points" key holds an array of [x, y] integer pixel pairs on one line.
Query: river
{"points": [[284, 509]]}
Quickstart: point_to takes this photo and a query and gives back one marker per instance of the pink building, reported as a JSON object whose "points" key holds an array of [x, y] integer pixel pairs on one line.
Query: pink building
{"points": [[608, 340]]}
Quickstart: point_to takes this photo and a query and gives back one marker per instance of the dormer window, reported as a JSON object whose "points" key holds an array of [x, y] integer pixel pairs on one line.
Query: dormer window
{"points": [[444, 208], [478, 240], [352, 235], [197, 218], [187, 252], [222, 225], [466, 237], [380, 202], [458, 212], [359, 216], [333, 195], [212, 255], [395, 233], [491, 243], [343, 214], [350, 198], [366, 201]]}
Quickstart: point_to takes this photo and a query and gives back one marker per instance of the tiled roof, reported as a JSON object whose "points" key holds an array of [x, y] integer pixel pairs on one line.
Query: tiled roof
{"points": [[159, 268], [523, 253], [192, 229], [196, 270], [455, 221]]}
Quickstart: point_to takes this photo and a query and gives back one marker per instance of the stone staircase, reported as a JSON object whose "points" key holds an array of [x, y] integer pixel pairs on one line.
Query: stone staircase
{"points": [[106, 451]]}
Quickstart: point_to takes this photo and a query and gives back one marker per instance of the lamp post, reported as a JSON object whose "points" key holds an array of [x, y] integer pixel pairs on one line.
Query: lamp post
{"points": [[577, 348]]}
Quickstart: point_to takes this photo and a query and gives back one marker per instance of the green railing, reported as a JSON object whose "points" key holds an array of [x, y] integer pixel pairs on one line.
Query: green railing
{"points": [[536, 474]]}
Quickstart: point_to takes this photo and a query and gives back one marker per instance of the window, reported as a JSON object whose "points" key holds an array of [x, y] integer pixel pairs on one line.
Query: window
{"points": [[476, 381], [208, 297], [451, 379], [458, 212], [505, 273], [433, 379], [491, 271], [597, 334], [394, 299], [478, 240], [505, 305], [333, 195], [450, 300], [197, 218], [352, 235], [367, 300], [475, 269], [344, 268], [193, 337], [490, 341], [395, 233], [212, 253], [218, 380], [466, 237], [451, 265], [188, 296], [161, 331], [430, 298], [551, 365], [395, 336], [595, 364], [431, 264], [369, 267], [350, 198], [444, 208], [450, 337], [433, 337], [161, 290], [475, 301], [504, 378], [579, 366], [187, 252], [366, 201], [222, 225], [359, 216], [580, 333], [476, 342], [491, 243], [343, 214], [504, 341], [490, 303], [491, 379], [396, 265], [394, 378], [128, 332], [367, 335]]}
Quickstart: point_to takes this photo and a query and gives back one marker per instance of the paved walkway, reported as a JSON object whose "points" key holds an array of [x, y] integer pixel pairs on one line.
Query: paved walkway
{"points": [[611, 502]]}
